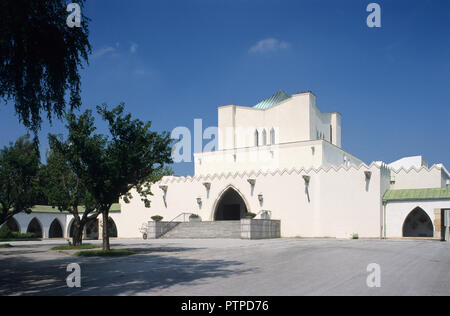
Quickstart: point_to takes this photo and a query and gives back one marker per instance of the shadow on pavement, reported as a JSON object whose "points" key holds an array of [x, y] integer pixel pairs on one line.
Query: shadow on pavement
{"points": [[149, 271]]}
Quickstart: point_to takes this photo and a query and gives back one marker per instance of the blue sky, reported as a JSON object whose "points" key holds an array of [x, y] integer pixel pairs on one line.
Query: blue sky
{"points": [[172, 61]]}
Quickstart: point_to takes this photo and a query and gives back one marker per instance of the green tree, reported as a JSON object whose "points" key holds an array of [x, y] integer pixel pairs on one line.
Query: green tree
{"points": [[110, 167], [63, 175], [40, 57], [19, 166], [158, 174], [133, 154]]}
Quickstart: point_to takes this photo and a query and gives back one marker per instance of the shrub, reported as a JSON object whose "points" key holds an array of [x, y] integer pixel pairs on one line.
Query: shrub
{"points": [[194, 216], [157, 218], [16, 236], [250, 215], [23, 235], [102, 253], [355, 236], [70, 247], [5, 232]]}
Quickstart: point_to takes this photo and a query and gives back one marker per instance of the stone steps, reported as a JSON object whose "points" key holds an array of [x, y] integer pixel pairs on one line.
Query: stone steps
{"points": [[200, 230]]}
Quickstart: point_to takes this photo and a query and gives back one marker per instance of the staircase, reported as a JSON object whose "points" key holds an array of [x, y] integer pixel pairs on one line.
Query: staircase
{"points": [[200, 230]]}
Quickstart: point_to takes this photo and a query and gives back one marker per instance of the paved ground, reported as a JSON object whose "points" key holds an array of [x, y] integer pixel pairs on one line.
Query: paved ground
{"points": [[233, 267]]}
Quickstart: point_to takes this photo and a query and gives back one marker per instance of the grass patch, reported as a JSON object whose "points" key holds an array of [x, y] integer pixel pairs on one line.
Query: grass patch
{"points": [[6, 246], [19, 239], [67, 247], [101, 253]]}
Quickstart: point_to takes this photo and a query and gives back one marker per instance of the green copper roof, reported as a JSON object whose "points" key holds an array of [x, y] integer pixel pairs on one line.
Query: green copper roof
{"points": [[278, 97], [45, 209], [416, 194]]}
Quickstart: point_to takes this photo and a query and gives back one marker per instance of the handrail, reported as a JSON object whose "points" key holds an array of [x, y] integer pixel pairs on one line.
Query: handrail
{"points": [[262, 211], [168, 224], [181, 214]]}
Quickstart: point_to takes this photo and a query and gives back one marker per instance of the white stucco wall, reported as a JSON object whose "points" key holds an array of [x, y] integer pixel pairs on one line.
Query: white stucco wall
{"points": [[422, 178], [65, 220], [294, 120], [340, 203], [131, 218], [408, 163], [397, 212], [445, 177], [44, 219], [307, 154]]}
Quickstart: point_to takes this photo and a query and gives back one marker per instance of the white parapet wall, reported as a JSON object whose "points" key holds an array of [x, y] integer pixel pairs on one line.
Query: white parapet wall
{"points": [[335, 202], [158, 229], [260, 229]]}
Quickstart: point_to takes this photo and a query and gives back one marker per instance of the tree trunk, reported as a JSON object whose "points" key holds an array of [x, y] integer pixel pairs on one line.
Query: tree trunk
{"points": [[2, 220], [77, 238], [105, 234]]}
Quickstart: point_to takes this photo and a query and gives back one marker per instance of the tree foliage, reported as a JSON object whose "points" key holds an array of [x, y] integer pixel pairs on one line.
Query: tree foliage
{"points": [[160, 173], [19, 166], [64, 176], [40, 57], [130, 157]]}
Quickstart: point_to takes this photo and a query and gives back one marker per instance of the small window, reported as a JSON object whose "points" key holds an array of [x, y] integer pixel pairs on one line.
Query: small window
{"points": [[272, 136], [331, 133], [264, 138], [256, 138]]}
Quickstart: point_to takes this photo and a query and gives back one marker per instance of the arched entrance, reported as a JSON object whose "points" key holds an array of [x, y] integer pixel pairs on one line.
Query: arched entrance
{"points": [[70, 230], [35, 228], [55, 230], [112, 228], [91, 230], [13, 225], [418, 224], [230, 207]]}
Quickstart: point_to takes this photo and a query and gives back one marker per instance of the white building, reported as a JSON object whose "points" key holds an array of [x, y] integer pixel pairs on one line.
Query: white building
{"points": [[283, 158]]}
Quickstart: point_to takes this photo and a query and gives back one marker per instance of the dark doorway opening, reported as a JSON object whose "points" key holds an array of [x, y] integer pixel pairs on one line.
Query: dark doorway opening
{"points": [[55, 230], [112, 228], [35, 228], [13, 225], [231, 207], [418, 224], [91, 230]]}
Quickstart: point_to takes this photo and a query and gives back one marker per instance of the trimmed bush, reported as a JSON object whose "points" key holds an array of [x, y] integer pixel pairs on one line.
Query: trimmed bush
{"points": [[101, 253], [157, 218], [70, 247], [250, 215], [5, 233], [23, 235]]}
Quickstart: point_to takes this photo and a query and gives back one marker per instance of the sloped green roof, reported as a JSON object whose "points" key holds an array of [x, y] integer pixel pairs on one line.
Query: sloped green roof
{"points": [[45, 209], [275, 99], [417, 194]]}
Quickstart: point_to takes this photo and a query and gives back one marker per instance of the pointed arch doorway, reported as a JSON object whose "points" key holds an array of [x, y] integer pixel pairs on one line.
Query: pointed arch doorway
{"points": [[56, 230], [418, 224], [35, 227], [231, 206]]}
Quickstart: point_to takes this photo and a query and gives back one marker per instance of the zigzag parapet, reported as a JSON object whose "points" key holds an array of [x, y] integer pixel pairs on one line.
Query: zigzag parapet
{"points": [[413, 168], [280, 172]]}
